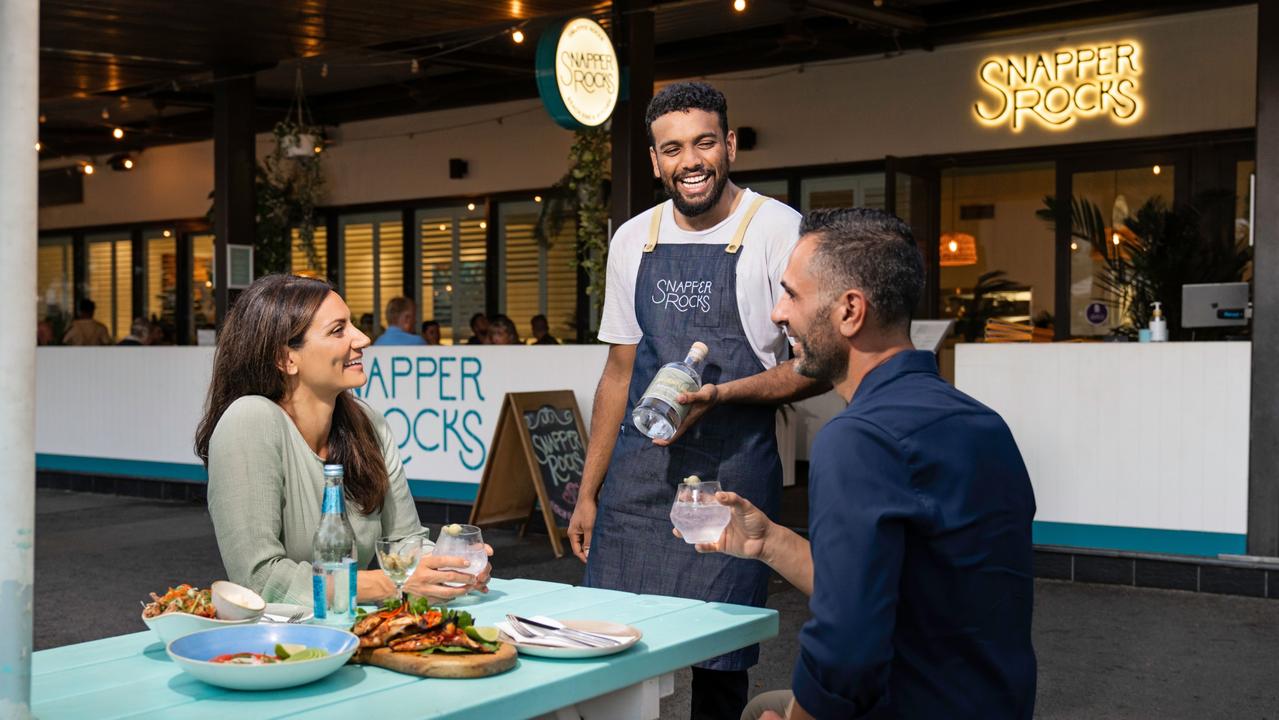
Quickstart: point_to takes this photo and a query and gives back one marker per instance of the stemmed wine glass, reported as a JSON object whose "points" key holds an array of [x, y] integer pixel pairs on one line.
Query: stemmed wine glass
{"points": [[398, 557], [463, 541]]}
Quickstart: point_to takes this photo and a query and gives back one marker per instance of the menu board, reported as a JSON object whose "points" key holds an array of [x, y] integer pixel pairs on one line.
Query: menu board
{"points": [[539, 449]]}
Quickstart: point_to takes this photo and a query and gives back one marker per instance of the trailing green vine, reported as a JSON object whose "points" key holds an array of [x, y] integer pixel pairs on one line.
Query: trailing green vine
{"points": [[289, 187], [583, 195]]}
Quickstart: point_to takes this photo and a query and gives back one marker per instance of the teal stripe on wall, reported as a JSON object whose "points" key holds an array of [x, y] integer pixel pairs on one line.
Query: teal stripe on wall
{"points": [[1112, 537], [421, 489]]}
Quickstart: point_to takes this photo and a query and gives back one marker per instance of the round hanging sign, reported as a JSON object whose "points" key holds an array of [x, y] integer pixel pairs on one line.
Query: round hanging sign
{"points": [[577, 73]]}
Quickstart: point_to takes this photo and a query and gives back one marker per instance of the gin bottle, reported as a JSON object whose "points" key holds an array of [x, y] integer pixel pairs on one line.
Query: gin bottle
{"points": [[334, 571], [658, 414]]}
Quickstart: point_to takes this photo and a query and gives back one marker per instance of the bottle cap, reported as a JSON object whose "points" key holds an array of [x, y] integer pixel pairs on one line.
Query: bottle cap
{"points": [[698, 351], [1159, 309], [332, 471]]}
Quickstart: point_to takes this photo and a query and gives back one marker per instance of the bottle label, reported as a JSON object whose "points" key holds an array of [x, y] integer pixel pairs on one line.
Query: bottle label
{"points": [[668, 384], [333, 502], [317, 595]]}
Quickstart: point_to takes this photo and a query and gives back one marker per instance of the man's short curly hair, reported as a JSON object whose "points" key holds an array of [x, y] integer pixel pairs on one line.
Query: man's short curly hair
{"points": [[685, 96]]}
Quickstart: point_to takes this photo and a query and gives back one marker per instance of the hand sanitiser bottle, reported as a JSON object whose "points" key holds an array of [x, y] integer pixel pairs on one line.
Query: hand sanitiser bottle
{"points": [[658, 414], [1158, 325]]}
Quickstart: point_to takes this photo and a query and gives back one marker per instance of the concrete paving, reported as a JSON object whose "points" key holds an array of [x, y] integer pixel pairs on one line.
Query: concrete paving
{"points": [[1104, 651]]}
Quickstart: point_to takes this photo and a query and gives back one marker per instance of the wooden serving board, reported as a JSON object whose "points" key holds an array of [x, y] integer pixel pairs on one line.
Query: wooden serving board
{"points": [[440, 665]]}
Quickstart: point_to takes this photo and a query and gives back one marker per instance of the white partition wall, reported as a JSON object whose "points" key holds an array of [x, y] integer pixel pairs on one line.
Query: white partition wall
{"points": [[1129, 446]]}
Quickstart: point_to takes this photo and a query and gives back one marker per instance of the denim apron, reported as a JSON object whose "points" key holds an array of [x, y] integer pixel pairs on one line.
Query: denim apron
{"points": [[685, 293]]}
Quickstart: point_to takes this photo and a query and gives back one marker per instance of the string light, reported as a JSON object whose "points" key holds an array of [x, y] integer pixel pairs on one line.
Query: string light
{"points": [[414, 67], [537, 198], [87, 168], [483, 225], [39, 146], [443, 228], [106, 114], [470, 206], [518, 35], [739, 5], [118, 133], [1156, 169], [128, 165], [1074, 245], [1114, 238], [168, 233]]}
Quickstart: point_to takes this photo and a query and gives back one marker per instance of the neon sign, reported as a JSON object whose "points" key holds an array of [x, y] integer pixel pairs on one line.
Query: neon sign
{"points": [[1056, 89]]}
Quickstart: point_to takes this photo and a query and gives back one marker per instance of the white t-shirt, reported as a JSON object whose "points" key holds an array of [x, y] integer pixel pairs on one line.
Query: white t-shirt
{"points": [[770, 237]]}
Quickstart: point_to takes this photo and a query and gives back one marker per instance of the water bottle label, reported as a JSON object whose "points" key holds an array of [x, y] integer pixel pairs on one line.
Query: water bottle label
{"points": [[333, 502], [354, 571], [668, 384], [317, 595]]}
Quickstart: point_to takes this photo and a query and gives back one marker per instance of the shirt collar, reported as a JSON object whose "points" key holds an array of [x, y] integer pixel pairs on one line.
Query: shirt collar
{"points": [[903, 363]]}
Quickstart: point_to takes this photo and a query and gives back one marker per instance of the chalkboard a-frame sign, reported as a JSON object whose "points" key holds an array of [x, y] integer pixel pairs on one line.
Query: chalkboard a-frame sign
{"points": [[538, 451]]}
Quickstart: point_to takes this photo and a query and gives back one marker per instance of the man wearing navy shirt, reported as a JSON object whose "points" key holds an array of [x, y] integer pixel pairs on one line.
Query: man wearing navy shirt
{"points": [[919, 568]]}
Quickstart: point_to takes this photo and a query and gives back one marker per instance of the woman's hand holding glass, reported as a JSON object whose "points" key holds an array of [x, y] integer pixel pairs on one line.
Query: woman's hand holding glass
{"points": [[442, 574]]}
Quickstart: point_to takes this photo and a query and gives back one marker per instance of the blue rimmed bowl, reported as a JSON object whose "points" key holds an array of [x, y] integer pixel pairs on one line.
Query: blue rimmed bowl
{"points": [[193, 652]]}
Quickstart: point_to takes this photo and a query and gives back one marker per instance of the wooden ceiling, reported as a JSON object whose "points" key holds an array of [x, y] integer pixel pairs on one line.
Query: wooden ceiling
{"points": [[149, 66]]}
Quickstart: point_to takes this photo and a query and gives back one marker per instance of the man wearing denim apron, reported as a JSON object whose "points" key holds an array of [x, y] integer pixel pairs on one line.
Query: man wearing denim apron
{"points": [[704, 266]]}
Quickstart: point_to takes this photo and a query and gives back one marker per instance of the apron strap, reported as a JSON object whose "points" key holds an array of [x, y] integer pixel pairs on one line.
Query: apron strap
{"points": [[736, 244], [655, 226]]}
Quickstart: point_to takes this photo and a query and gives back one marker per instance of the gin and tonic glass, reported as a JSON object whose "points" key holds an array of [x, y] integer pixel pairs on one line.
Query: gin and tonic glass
{"points": [[697, 513], [466, 542]]}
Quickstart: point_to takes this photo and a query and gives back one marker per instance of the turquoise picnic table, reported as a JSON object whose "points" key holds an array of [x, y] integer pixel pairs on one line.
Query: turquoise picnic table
{"points": [[131, 676]]}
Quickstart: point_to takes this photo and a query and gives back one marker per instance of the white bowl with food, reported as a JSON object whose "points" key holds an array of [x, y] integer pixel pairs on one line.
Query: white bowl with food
{"points": [[236, 602], [181, 611]]}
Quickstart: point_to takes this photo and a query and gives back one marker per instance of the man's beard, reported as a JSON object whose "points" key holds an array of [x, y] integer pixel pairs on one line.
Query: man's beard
{"points": [[824, 353], [693, 209]]}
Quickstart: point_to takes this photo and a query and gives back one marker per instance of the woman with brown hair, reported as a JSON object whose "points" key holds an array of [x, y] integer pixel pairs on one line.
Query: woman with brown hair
{"points": [[279, 409]]}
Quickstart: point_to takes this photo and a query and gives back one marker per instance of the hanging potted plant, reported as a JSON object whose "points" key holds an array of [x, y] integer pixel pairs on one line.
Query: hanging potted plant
{"points": [[290, 184]]}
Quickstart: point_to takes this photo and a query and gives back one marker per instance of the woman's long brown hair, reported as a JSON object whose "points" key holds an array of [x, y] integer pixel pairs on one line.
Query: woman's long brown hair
{"points": [[271, 316]]}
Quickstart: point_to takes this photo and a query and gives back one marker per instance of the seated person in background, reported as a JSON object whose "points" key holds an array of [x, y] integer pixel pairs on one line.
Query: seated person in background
{"points": [[431, 332], [44, 333], [542, 332], [479, 329], [84, 329], [920, 508], [157, 334], [279, 407], [401, 317], [138, 333], [502, 331]]}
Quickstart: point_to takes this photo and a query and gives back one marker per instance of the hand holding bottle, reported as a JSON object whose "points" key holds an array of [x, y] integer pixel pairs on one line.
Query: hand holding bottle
{"points": [[698, 403]]}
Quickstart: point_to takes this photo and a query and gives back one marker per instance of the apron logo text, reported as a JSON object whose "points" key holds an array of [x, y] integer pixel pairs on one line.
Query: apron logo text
{"points": [[684, 295]]}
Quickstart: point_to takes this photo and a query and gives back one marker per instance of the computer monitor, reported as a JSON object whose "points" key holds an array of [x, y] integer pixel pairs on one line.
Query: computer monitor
{"points": [[1214, 305]]}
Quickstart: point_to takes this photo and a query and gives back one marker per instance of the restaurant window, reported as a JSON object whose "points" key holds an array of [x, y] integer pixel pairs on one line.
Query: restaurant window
{"points": [[1117, 195], [204, 309], [53, 280], [996, 254], [452, 248], [538, 275], [308, 264], [776, 189], [372, 266], [109, 280], [162, 276], [842, 191]]}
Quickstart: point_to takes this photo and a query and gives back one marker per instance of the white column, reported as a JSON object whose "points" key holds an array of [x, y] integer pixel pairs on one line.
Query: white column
{"points": [[19, 110]]}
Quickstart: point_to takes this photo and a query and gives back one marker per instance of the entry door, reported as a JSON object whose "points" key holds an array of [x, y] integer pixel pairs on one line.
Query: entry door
{"points": [[1104, 192], [912, 193]]}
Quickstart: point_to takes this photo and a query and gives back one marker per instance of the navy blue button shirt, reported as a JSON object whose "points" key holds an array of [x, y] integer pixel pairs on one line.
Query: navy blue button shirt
{"points": [[920, 518]]}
